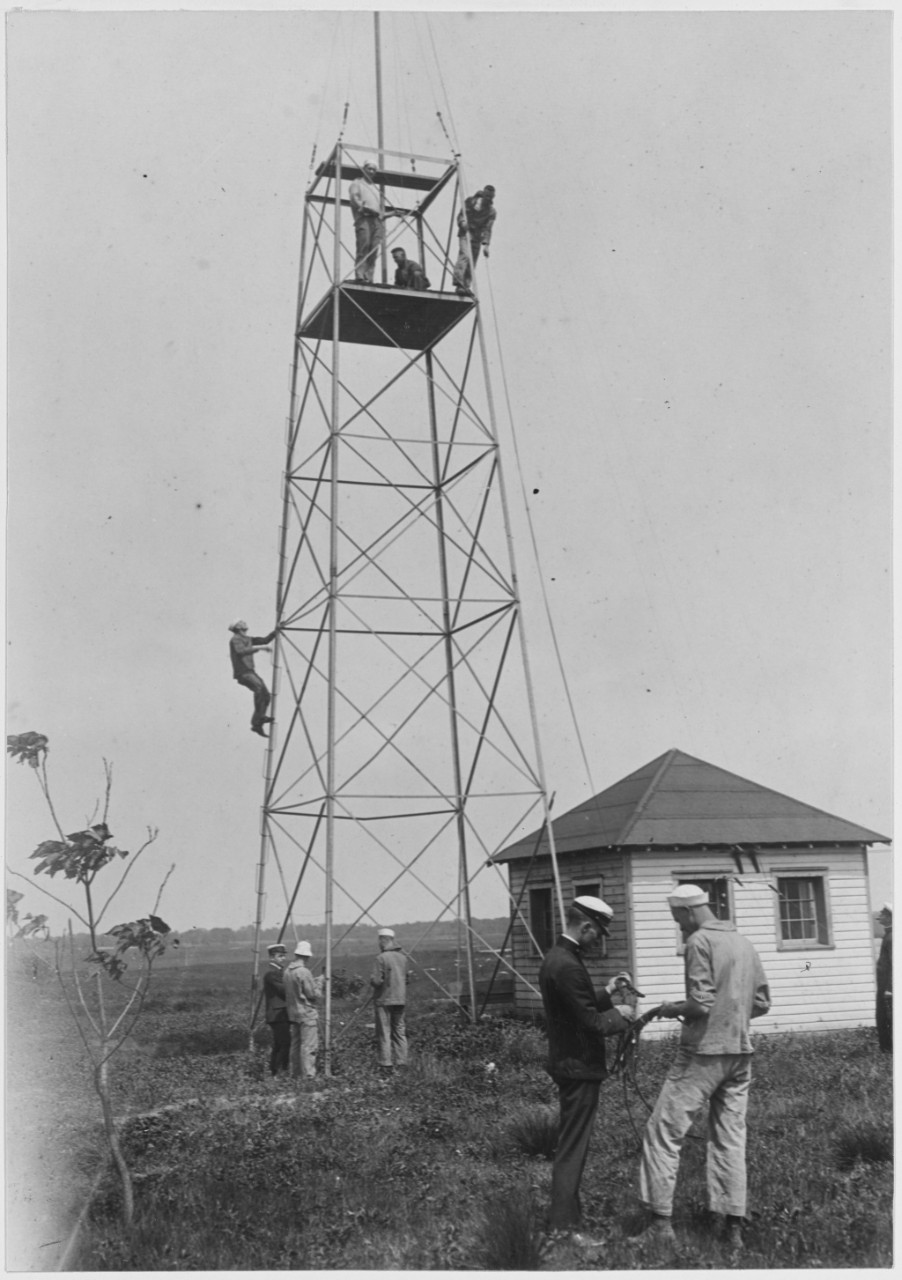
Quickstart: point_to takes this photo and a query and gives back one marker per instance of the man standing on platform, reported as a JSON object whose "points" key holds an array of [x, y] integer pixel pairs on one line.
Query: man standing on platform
{"points": [[389, 983], [577, 1021], [369, 228]]}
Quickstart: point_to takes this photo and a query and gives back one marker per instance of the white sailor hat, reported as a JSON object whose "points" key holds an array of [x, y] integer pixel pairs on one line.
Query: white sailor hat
{"points": [[303, 949], [240, 625], [688, 895], [385, 933], [275, 946], [596, 909]]}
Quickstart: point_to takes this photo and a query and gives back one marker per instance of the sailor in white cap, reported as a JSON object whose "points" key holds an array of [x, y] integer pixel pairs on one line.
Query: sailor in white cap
{"points": [[303, 993], [389, 982], [885, 981], [577, 1020], [242, 648], [725, 988]]}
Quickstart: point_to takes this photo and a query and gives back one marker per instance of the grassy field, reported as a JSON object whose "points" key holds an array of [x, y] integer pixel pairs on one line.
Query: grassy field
{"points": [[444, 1166]]}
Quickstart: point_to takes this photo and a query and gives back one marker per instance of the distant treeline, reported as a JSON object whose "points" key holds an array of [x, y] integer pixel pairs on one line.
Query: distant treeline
{"points": [[359, 938]]}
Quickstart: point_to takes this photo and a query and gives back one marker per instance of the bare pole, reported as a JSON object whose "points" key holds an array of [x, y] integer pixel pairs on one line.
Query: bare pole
{"points": [[333, 591], [527, 675], [380, 138], [459, 799], [280, 596]]}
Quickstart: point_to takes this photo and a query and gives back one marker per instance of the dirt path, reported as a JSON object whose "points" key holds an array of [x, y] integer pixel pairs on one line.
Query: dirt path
{"points": [[53, 1133]]}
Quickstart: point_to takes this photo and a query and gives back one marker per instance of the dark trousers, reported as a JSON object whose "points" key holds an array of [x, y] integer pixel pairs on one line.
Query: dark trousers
{"points": [[579, 1103], [252, 681], [884, 1019], [281, 1046]]}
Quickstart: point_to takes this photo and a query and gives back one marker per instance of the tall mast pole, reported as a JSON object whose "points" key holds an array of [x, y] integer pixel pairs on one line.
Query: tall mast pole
{"points": [[380, 138]]}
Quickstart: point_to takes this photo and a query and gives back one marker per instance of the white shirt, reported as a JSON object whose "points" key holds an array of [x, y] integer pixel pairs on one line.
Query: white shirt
{"points": [[364, 195]]}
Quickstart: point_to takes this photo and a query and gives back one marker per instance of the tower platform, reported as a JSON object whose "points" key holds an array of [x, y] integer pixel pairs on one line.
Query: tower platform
{"points": [[381, 316]]}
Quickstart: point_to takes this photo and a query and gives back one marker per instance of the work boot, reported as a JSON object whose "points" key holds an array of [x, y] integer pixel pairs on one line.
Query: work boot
{"points": [[658, 1238], [258, 728], [733, 1233]]}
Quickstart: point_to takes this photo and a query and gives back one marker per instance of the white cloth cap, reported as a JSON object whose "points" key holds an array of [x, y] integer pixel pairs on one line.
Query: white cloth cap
{"points": [[240, 625], [688, 895], [596, 909], [303, 949], [385, 933]]}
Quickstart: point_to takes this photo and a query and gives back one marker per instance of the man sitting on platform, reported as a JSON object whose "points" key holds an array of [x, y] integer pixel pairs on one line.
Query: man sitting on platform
{"points": [[408, 274]]}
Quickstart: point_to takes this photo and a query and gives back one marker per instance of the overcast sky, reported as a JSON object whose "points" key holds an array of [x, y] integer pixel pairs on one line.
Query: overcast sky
{"points": [[691, 278]]}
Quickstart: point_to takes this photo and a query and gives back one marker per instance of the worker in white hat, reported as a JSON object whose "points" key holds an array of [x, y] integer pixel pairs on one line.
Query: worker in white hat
{"points": [[303, 994], [389, 982], [577, 1020], [725, 988], [242, 648], [885, 980]]}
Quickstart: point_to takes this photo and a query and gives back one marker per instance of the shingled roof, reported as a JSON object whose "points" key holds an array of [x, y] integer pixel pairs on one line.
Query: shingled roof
{"points": [[679, 801]]}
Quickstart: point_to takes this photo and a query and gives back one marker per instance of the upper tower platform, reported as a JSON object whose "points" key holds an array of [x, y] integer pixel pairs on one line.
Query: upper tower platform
{"points": [[420, 196]]}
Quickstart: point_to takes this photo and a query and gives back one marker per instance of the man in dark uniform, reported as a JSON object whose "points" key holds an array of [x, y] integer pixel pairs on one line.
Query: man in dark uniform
{"points": [[276, 1008], [577, 1020], [885, 981], [242, 648]]}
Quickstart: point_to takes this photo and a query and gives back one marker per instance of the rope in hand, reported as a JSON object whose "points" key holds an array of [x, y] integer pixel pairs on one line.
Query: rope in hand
{"points": [[624, 1065]]}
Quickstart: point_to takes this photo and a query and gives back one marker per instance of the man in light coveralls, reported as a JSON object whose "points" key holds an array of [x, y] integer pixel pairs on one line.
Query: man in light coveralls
{"points": [[725, 988], [389, 983]]}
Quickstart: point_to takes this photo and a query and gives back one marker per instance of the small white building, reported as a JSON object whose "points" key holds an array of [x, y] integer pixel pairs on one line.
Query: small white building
{"points": [[792, 878]]}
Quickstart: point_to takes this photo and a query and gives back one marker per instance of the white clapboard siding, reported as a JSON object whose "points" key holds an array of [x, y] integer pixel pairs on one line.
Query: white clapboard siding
{"points": [[812, 988]]}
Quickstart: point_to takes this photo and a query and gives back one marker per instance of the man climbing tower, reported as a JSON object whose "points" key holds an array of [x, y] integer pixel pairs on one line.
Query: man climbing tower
{"points": [[475, 221], [242, 648]]}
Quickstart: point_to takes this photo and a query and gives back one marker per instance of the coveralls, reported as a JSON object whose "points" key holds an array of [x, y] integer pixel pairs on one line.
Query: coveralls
{"points": [[302, 996], [577, 1022], [369, 228], [714, 1065], [476, 220], [389, 983], [241, 648]]}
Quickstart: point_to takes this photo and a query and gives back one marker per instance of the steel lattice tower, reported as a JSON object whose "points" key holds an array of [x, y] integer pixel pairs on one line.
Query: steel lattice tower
{"points": [[404, 743]]}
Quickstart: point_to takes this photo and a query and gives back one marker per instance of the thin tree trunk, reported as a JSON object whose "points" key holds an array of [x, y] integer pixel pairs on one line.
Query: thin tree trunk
{"points": [[102, 1085]]}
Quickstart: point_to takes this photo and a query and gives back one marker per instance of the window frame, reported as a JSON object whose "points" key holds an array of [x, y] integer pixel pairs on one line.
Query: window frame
{"points": [[822, 875]]}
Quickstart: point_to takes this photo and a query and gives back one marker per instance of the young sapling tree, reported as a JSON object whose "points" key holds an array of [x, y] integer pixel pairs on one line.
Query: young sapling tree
{"points": [[104, 1018]]}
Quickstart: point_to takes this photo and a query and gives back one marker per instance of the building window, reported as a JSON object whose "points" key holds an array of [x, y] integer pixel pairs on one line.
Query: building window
{"points": [[804, 918], [541, 918]]}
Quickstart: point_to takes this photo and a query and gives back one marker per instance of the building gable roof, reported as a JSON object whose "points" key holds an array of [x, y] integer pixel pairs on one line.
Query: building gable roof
{"points": [[678, 801]]}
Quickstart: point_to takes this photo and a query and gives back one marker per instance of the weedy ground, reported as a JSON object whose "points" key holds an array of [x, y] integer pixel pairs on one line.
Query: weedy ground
{"points": [[444, 1166]]}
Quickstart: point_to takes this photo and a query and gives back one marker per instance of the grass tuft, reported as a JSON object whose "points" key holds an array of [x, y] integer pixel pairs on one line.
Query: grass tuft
{"points": [[534, 1131], [510, 1233], [868, 1141]]}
